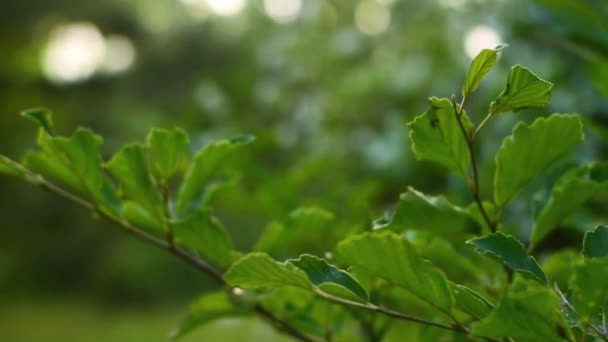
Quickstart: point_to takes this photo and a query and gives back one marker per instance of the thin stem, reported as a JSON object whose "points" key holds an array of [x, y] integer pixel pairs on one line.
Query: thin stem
{"points": [[474, 187], [200, 264], [389, 312], [483, 123]]}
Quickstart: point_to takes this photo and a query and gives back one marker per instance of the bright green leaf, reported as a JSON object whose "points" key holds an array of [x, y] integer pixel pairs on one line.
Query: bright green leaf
{"points": [[209, 307], [570, 192], [588, 288], [393, 258], [595, 243], [436, 136], [130, 168], [524, 90], [205, 164], [140, 217], [259, 271], [480, 66], [204, 233], [169, 149], [470, 302], [530, 149], [418, 211], [319, 272], [511, 251], [75, 161], [527, 312], [42, 116]]}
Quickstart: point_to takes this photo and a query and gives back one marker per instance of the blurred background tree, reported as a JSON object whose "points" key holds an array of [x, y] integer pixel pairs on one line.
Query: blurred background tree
{"points": [[326, 86]]}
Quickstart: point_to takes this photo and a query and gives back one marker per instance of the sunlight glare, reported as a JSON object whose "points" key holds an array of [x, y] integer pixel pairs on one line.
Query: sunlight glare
{"points": [[73, 53], [478, 38], [283, 11], [371, 17]]}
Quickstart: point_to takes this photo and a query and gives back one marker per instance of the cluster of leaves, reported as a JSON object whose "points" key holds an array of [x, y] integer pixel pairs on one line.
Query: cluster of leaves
{"points": [[451, 269]]}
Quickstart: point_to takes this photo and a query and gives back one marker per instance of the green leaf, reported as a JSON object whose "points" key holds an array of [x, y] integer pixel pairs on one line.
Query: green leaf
{"points": [[524, 90], [442, 254], [588, 288], [169, 149], [527, 312], [7, 166], [480, 66], [203, 233], [209, 307], [393, 258], [130, 168], [259, 271], [530, 149], [140, 217], [319, 272], [76, 161], [418, 211], [470, 302], [300, 233], [42, 116], [204, 165], [81, 154], [570, 192], [595, 243], [511, 251], [436, 136]]}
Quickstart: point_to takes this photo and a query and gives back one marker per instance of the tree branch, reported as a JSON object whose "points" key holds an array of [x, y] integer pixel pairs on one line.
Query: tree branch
{"points": [[198, 263]]}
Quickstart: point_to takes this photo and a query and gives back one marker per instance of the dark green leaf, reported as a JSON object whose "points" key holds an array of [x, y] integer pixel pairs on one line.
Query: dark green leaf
{"points": [[203, 233], [393, 258], [259, 271], [418, 211], [480, 66], [130, 168], [470, 302], [570, 192], [595, 243], [530, 149], [169, 149], [436, 136], [209, 307], [42, 116], [524, 90], [527, 312], [204, 165], [319, 272], [511, 251]]}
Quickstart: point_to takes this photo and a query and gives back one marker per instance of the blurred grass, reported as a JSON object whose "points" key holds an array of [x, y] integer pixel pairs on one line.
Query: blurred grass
{"points": [[68, 321]]}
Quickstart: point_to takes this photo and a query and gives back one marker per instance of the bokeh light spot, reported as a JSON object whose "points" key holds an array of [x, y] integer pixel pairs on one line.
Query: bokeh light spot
{"points": [[478, 38], [372, 17], [225, 7], [283, 11], [119, 56], [73, 53]]}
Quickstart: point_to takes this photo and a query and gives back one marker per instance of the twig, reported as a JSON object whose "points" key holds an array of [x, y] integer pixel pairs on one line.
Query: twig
{"points": [[389, 312], [200, 264], [474, 187]]}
